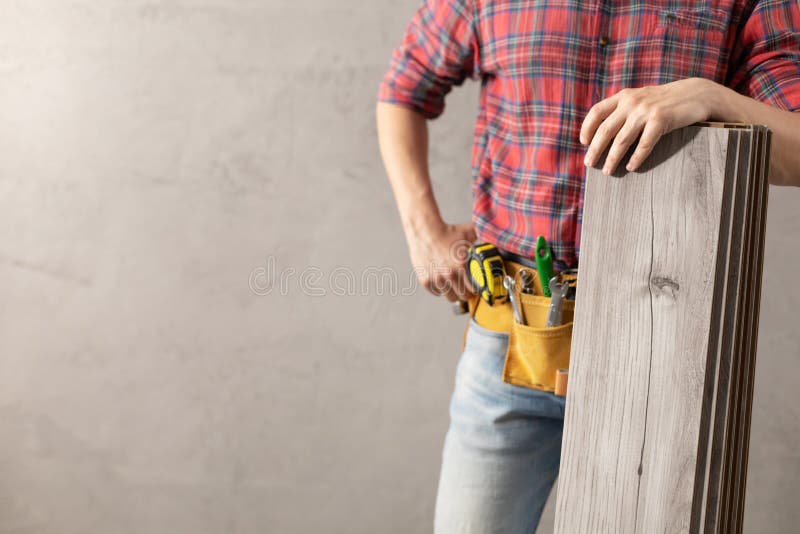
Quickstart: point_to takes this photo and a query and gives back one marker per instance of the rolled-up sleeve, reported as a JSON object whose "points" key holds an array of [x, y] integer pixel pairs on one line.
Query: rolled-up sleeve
{"points": [[767, 54], [439, 50]]}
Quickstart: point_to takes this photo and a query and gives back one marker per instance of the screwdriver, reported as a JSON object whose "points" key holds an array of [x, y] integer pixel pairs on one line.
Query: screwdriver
{"points": [[544, 264]]}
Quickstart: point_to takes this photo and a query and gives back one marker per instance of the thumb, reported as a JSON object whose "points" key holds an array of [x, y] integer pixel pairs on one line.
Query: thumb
{"points": [[463, 238], [467, 231]]}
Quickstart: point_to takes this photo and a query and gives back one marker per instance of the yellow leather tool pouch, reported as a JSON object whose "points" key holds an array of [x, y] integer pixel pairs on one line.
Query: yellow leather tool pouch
{"points": [[536, 352], [537, 356]]}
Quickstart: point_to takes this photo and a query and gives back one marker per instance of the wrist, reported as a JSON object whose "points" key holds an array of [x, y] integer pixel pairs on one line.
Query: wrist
{"points": [[725, 104], [422, 221]]}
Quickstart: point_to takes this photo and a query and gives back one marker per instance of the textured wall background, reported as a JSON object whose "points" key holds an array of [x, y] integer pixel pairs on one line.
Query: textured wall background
{"points": [[155, 156]]}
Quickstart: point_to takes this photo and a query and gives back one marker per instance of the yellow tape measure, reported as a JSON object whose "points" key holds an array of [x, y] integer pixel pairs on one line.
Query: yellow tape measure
{"points": [[486, 273]]}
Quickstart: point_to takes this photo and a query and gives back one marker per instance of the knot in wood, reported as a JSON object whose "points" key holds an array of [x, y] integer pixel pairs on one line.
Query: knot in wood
{"points": [[665, 286]]}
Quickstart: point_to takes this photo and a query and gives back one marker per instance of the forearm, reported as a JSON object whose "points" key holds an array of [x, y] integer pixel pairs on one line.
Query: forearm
{"points": [[403, 139], [785, 126], [433, 245]]}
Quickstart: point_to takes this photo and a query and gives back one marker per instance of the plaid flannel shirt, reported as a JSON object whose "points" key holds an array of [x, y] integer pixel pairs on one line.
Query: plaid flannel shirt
{"points": [[542, 65]]}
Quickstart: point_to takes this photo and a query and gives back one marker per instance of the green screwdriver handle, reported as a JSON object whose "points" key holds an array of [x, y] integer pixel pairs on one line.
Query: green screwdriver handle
{"points": [[544, 264]]}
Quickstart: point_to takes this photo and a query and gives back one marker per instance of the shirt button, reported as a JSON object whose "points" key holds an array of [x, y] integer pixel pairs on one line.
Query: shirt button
{"points": [[603, 41]]}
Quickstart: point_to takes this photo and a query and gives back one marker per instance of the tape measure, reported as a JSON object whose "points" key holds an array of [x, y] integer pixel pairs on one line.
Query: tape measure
{"points": [[486, 273]]}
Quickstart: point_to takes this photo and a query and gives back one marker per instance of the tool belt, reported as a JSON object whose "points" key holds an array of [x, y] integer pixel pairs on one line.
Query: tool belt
{"points": [[537, 356]]}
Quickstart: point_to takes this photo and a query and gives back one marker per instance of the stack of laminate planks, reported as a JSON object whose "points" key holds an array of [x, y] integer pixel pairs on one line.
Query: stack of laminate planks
{"points": [[657, 424]]}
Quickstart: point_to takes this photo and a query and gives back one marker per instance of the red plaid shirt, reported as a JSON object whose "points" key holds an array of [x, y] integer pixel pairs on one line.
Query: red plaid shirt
{"points": [[544, 63]]}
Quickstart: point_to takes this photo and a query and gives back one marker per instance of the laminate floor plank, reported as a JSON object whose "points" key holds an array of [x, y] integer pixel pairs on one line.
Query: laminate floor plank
{"points": [[658, 417], [718, 371], [737, 349], [615, 483], [725, 395], [743, 447], [746, 336], [637, 375], [743, 336]]}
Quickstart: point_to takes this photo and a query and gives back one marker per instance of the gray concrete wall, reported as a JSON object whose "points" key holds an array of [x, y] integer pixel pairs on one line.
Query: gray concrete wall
{"points": [[154, 155]]}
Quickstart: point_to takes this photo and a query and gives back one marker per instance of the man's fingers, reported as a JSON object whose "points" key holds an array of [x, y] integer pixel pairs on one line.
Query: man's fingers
{"points": [[432, 287], [451, 297], [465, 285], [622, 142], [595, 117], [603, 136], [452, 285], [450, 293], [652, 132], [458, 284]]}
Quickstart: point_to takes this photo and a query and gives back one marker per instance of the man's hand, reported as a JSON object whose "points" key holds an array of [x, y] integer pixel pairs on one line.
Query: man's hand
{"points": [[438, 255], [650, 111]]}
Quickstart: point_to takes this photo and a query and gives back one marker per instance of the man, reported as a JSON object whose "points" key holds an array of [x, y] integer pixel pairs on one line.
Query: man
{"points": [[561, 81]]}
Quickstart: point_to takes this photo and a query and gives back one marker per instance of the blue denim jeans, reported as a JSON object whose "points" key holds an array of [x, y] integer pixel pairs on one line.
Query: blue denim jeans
{"points": [[503, 447]]}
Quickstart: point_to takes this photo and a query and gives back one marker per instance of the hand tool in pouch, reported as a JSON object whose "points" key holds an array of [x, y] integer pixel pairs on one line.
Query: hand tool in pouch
{"points": [[558, 292], [510, 286], [486, 272], [526, 281], [544, 264], [570, 277], [460, 307]]}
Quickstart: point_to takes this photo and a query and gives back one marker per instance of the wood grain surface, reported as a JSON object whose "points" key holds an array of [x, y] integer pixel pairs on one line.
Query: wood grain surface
{"points": [[657, 429], [641, 340]]}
